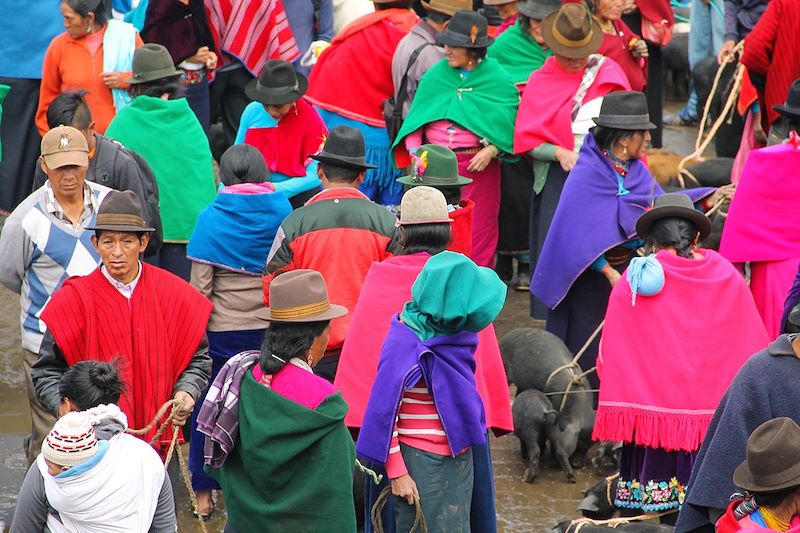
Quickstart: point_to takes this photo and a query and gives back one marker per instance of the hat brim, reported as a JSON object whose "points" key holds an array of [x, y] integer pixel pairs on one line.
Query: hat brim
{"points": [[702, 222], [743, 478], [153, 76], [335, 311], [497, 2], [265, 97], [455, 41], [449, 12], [340, 162], [577, 52], [410, 181], [638, 126], [792, 112], [418, 222], [120, 228], [64, 159]]}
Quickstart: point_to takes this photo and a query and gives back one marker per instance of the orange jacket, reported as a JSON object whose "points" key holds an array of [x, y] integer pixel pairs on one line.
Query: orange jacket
{"points": [[68, 65]]}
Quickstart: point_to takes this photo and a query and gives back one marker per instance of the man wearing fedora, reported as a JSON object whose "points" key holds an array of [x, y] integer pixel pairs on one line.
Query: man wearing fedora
{"points": [[148, 319], [339, 233], [43, 242], [418, 51], [285, 128]]}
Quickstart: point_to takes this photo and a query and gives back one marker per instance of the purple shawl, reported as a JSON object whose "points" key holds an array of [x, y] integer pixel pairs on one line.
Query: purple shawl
{"points": [[447, 364], [591, 218]]}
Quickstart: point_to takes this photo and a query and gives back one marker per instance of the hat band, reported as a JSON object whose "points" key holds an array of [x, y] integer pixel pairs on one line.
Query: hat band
{"points": [[119, 220], [300, 311], [284, 89], [624, 120], [563, 40], [434, 180]]}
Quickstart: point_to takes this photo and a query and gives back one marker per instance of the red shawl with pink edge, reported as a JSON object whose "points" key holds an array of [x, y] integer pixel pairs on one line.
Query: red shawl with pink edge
{"points": [[764, 215], [287, 148], [386, 288], [545, 113], [665, 363], [353, 77]]}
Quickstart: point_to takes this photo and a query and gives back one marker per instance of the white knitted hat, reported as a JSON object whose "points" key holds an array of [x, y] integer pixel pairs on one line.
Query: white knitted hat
{"points": [[71, 441], [423, 205]]}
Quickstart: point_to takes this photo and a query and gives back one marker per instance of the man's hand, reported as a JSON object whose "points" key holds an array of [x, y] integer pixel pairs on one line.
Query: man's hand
{"points": [[405, 487], [185, 409], [726, 52]]}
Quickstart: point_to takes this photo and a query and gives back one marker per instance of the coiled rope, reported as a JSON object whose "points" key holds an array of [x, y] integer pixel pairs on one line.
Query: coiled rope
{"points": [[375, 513]]}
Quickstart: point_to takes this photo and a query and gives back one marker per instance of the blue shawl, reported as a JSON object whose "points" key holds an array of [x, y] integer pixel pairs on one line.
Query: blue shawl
{"points": [[236, 231], [766, 387], [447, 364], [593, 215]]}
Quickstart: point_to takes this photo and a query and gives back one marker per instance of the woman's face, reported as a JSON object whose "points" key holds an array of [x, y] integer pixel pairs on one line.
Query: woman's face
{"points": [[277, 112], [507, 10], [456, 57], [570, 64], [319, 345], [535, 31], [637, 144], [608, 9], [76, 25]]}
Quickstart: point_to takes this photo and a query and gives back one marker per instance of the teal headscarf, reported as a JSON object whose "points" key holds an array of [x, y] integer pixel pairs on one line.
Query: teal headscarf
{"points": [[452, 294]]}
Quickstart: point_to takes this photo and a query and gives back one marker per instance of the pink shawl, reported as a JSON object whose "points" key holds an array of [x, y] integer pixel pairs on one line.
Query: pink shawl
{"points": [[665, 364], [545, 113], [764, 216], [386, 288]]}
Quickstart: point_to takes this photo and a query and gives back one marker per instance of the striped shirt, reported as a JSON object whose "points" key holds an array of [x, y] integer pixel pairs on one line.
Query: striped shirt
{"points": [[418, 425]]}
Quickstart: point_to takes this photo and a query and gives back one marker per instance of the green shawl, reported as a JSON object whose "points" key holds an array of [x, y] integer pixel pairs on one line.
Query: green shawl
{"points": [[518, 53], [291, 468], [168, 136], [484, 102]]}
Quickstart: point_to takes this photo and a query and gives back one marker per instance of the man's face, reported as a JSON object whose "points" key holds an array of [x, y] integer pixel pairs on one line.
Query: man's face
{"points": [[120, 253], [66, 181]]}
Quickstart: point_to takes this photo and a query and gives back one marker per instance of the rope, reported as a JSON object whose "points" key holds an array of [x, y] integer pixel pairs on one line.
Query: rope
{"points": [[701, 144], [576, 379], [376, 478], [609, 481], [380, 503], [176, 406], [576, 525]]}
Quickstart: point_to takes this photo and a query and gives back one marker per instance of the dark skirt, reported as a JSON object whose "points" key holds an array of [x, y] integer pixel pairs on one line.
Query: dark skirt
{"points": [[655, 80], [543, 208], [516, 189], [578, 315], [652, 479]]}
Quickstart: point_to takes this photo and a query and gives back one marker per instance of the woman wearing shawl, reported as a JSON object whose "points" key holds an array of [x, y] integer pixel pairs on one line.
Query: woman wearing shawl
{"points": [[386, 288], [285, 129], [182, 27], [466, 102], [620, 43], [592, 237], [275, 434], [160, 126], [520, 50], [660, 381], [556, 110], [228, 249], [95, 54], [426, 375]]}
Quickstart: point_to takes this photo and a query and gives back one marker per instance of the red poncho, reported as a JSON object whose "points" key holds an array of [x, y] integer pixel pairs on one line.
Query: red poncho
{"points": [[353, 77], [155, 334], [386, 288], [461, 228], [287, 147]]}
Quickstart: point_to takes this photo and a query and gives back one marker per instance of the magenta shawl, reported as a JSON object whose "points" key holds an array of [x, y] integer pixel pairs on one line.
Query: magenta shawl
{"points": [[764, 216], [665, 364]]}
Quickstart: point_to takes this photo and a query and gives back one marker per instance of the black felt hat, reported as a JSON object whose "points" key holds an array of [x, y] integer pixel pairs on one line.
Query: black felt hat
{"points": [[344, 147], [791, 108], [625, 110], [467, 29], [278, 84], [676, 205]]}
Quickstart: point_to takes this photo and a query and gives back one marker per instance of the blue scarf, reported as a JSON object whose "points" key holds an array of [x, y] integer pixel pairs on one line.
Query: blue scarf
{"points": [[236, 231]]}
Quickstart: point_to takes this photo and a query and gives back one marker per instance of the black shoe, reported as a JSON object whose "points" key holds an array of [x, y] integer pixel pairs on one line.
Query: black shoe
{"points": [[504, 267], [523, 281]]}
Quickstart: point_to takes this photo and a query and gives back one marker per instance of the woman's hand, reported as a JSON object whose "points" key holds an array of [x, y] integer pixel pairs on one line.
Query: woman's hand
{"points": [[113, 80], [186, 407], [567, 158], [640, 49], [629, 6], [404, 487], [204, 56], [611, 275], [482, 159]]}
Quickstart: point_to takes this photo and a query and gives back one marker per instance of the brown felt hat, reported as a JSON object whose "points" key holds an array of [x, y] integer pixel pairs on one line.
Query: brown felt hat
{"points": [[572, 32], [63, 146], [772, 461], [300, 296], [447, 7], [120, 211]]}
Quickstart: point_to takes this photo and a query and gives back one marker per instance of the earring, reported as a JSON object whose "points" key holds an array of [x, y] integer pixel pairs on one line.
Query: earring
{"points": [[625, 150], [309, 359]]}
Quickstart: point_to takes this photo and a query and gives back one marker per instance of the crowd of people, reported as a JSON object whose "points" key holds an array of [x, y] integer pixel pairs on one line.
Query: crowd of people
{"points": [[281, 231]]}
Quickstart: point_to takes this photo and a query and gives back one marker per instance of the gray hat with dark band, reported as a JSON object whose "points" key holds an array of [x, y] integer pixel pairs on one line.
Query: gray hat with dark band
{"points": [[278, 84], [152, 62], [625, 110], [120, 211], [673, 205]]}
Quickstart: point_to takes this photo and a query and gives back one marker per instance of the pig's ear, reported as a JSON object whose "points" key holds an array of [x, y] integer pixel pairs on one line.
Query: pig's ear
{"points": [[589, 503]]}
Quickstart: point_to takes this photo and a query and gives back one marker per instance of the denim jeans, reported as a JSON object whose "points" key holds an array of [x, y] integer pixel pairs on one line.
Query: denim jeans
{"points": [[706, 33]]}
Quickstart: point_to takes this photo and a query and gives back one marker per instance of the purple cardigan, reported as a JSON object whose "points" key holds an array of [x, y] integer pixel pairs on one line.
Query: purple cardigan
{"points": [[447, 364]]}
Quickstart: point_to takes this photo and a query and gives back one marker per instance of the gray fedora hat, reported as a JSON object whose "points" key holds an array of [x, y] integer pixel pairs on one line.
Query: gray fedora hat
{"points": [[344, 147], [772, 461], [677, 205], [152, 62], [120, 211], [538, 9], [277, 85], [625, 110]]}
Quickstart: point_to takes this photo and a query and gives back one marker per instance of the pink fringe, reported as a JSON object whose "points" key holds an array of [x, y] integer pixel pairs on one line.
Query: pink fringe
{"points": [[655, 429]]}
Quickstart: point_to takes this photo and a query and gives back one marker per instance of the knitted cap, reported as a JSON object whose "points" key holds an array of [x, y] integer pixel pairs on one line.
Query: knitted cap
{"points": [[423, 205], [71, 441]]}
